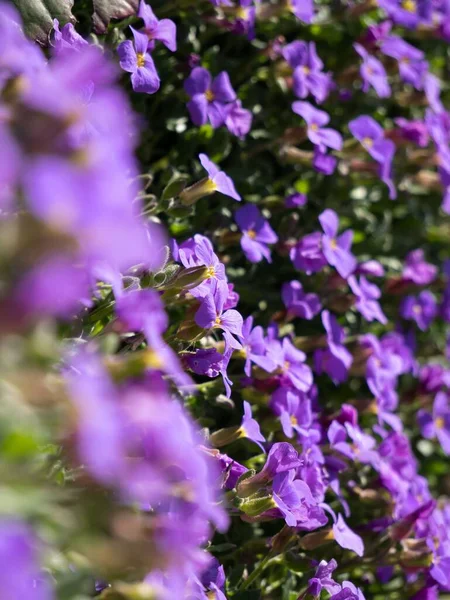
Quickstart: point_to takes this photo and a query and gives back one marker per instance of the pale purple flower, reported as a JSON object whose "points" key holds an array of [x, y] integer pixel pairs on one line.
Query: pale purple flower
{"points": [[303, 10], [211, 315], [293, 409], [371, 135], [413, 131], [295, 200], [336, 359], [162, 30], [367, 296], [66, 38], [307, 254], [20, 575], [218, 180], [417, 270], [290, 363], [323, 137], [198, 251], [134, 58], [337, 249], [210, 362], [421, 309], [408, 13], [250, 427], [347, 538], [322, 580], [373, 73], [411, 61], [256, 233], [209, 97], [323, 162], [238, 120], [437, 424], [307, 76], [298, 303], [254, 347]]}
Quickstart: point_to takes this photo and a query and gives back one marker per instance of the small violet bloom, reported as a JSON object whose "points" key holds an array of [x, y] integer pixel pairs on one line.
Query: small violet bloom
{"points": [[336, 359], [256, 233], [135, 59], [367, 295], [421, 309], [323, 137], [307, 70], [295, 200], [162, 30], [238, 120], [254, 348], [218, 181], [302, 9], [250, 427], [298, 303], [211, 315], [373, 73], [371, 135], [307, 254], [209, 97], [411, 61], [346, 538], [336, 249], [437, 424], [417, 270]]}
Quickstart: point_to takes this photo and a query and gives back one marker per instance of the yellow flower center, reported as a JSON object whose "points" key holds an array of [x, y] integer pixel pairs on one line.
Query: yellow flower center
{"points": [[439, 423], [367, 141], [306, 70], [140, 59], [210, 272], [409, 5], [286, 365], [251, 234], [314, 127], [210, 186], [333, 244], [218, 321], [152, 360], [294, 420], [209, 95], [417, 309], [242, 13]]}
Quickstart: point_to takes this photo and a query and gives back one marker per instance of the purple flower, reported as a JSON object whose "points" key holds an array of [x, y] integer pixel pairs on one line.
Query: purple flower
{"points": [[210, 362], [346, 538], [336, 359], [295, 200], [254, 348], [292, 498], [218, 181], [373, 73], [413, 131], [211, 315], [299, 304], [307, 254], [290, 363], [303, 10], [437, 424], [250, 427], [231, 469], [135, 59], [371, 135], [323, 137], [417, 270], [245, 18], [163, 30], [411, 62], [336, 249], [208, 97], [307, 66], [408, 13], [370, 267], [322, 580], [198, 251], [293, 409], [323, 162], [66, 38], [238, 120], [20, 574], [367, 295], [257, 233], [421, 309], [362, 447], [348, 592]]}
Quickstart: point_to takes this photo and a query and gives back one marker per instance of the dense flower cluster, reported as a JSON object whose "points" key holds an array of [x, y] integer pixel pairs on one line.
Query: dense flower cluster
{"points": [[210, 400]]}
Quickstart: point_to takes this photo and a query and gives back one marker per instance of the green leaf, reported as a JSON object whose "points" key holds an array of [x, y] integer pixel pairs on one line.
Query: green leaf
{"points": [[105, 10], [38, 16], [175, 186]]}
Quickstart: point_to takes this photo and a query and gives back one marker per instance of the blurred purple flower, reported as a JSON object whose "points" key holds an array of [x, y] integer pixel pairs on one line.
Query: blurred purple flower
{"points": [[336, 359], [238, 120], [421, 309], [346, 538], [257, 233], [308, 76], [417, 270], [367, 295], [307, 254], [411, 63], [437, 424], [336, 249], [295, 200], [254, 348], [323, 137], [373, 73], [162, 30], [298, 303]]}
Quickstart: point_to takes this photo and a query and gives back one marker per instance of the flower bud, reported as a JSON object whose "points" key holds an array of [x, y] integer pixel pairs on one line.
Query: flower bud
{"points": [[193, 193]]}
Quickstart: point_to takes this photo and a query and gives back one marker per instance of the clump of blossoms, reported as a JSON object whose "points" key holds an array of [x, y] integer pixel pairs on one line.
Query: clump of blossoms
{"points": [[224, 300]]}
